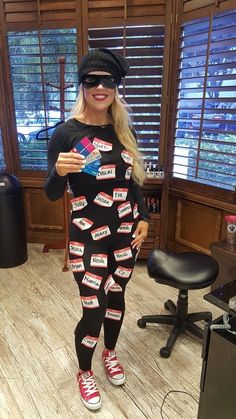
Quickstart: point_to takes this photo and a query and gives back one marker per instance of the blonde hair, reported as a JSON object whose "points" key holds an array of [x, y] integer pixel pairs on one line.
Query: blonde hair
{"points": [[119, 116]]}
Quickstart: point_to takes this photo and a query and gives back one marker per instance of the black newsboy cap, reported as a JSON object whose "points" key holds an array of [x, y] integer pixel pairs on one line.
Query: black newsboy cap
{"points": [[103, 59]]}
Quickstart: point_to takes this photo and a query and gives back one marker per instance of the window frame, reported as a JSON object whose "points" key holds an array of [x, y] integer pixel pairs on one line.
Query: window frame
{"points": [[178, 184], [22, 172]]}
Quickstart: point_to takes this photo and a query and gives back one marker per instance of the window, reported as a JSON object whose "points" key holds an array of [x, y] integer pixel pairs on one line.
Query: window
{"points": [[205, 135], [34, 59], [142, 88], [2, 160]]}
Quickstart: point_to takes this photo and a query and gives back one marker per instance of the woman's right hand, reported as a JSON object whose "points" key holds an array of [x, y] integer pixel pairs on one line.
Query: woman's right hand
{"points": [[69, 163]]}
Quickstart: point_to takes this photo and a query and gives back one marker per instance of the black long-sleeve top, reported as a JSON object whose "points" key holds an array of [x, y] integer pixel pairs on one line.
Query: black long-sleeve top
{"points": [[64, 138]]}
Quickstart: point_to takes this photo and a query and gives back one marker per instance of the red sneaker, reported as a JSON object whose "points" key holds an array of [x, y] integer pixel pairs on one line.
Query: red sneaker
{"points": [[89, 393], [115, 372]]}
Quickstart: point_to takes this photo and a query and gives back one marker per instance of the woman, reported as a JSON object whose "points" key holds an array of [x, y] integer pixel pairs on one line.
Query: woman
{"points": [[109, 218]]}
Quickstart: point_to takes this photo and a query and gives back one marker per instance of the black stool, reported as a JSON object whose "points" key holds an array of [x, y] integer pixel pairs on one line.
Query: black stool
{"points": [[184, 271]]}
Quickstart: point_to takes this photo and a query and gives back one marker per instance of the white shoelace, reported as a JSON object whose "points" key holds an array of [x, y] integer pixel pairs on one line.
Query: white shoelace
{"points": [[112, 364], [90, 385]]}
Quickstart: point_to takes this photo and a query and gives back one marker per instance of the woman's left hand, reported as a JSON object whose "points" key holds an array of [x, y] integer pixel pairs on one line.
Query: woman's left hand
{"points": [[140, 234]]}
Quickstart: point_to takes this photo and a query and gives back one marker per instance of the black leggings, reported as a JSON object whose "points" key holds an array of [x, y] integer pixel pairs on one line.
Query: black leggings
{"points": [[102, 276]]}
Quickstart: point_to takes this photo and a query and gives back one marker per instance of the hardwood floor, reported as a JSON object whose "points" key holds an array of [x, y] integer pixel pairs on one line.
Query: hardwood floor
{"points": [[39, 308]]}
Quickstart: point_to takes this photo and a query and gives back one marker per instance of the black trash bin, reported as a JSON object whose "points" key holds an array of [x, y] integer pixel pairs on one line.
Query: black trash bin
{"points": [[13, 243]]}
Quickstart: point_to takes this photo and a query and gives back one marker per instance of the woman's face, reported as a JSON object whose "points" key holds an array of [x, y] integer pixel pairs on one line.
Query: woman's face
{"points": [[98, 97]]}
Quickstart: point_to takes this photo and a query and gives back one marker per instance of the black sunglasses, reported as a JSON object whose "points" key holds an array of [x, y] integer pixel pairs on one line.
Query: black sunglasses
{"points": [[92, 80]]}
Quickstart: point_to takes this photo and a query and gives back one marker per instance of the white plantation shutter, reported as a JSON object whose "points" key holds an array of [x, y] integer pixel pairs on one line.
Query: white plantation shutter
{"points": [[205, 135]]}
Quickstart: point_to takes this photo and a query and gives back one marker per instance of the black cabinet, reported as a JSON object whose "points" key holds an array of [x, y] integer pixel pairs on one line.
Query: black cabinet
{"points": [[226, 257], [218, 378]]}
